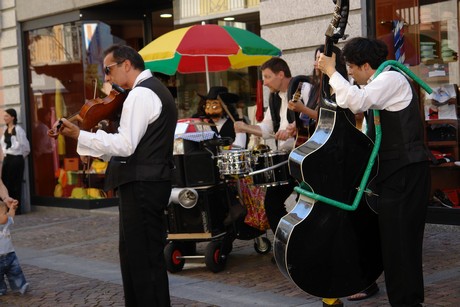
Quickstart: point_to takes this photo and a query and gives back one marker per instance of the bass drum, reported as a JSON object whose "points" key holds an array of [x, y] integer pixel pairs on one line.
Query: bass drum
{"points": [[276, 169]]}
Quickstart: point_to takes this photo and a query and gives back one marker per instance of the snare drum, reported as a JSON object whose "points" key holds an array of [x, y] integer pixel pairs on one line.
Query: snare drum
{"points": [[234, 162], [273, 176]]}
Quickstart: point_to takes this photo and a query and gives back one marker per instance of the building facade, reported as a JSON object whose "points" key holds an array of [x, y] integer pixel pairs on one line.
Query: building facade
{"points": [[51, 59]]}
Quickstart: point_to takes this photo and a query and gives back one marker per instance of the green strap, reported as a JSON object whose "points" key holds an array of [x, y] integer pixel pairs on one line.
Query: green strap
{"points": [[303, 187]]}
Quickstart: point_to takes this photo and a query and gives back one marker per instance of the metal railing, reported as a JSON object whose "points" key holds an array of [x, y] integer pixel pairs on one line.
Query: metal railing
{"points": [[185, 9]]}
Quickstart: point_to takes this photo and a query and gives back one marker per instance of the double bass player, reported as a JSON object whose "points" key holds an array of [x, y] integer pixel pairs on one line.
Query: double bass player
{"points": [[403, 181]]}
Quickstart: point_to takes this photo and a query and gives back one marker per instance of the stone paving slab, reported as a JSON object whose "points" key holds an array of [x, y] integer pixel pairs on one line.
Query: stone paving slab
{"points": [[70, 258]]}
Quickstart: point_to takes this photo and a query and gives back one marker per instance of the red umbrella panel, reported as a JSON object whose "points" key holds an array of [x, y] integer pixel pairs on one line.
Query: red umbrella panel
{"points": [[206, 48]]}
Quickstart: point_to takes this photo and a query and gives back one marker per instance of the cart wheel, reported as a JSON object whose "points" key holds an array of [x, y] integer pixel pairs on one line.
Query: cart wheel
{"points": [[173, 253], [262, 245], [213, 257]]}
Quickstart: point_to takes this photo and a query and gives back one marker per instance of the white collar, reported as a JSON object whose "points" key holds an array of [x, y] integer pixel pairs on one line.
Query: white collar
{"points": [[142, 76]]}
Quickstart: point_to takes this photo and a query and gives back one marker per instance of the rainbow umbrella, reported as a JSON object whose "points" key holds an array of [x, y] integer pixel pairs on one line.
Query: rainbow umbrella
{"points": [[206, 48]]}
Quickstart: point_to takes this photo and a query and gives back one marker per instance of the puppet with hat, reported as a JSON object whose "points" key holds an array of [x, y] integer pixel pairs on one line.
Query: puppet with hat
{"points": [[220, 109]]}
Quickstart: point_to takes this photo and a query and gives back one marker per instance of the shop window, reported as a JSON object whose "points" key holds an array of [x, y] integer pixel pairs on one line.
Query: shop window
{"points": [[423, 35], [65, 70], [439, 42]]}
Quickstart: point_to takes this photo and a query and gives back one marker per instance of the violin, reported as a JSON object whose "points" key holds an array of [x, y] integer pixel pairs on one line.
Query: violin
{"points": [[96, 110]]}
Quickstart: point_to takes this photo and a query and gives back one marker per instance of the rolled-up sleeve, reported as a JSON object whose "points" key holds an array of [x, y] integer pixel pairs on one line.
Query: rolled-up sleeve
{"points": [[390, 90], [266, 126], [138, 112]]}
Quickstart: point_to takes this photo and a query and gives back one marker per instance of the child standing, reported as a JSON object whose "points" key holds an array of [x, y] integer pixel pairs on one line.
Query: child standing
{"points": [[9, 263]]}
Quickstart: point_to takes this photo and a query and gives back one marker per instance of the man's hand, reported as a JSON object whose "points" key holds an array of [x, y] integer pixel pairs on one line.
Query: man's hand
{"points": [[85, 159], [11, 202], [296, 106], [239, 126], [291, 129], [66, 128], [327, 64], [283, 135]]}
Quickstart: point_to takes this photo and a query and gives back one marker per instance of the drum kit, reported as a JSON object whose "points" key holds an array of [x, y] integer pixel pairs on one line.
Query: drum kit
{"points": [[267, 168]]}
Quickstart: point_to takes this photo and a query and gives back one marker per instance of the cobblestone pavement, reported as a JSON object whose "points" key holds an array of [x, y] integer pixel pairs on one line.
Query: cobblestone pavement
{"points": [[70, 258]]}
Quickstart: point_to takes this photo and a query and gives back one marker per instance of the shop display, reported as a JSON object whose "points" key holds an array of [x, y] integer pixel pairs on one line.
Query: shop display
{"points": [[427, 51]]}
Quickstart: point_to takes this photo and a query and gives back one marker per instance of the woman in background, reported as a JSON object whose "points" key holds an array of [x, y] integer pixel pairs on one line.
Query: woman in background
{"points": [[15, 147]]}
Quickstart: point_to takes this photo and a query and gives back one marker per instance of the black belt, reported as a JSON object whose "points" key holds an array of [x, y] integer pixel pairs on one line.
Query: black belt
{"points": [[10, 155]]}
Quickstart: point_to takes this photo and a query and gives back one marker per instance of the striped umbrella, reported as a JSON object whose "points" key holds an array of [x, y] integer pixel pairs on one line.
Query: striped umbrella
{"points": [[206, 48]]}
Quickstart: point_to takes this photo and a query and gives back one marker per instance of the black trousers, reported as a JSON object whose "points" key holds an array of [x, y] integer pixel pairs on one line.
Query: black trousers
{"points": [[404, 198], [274, 202], [142, 240], [12, 175]]}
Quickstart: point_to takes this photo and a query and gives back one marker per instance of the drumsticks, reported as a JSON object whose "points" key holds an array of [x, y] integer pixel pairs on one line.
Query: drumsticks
{"points": [[224, 106], [248, 129]]}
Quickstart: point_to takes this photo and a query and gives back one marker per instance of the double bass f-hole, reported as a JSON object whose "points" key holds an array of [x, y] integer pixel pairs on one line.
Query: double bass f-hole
{"points": [[96, 110]]}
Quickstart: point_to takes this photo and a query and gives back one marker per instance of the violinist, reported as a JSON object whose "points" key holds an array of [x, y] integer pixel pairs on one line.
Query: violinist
{"points": [[403, 180], [141, 155]]}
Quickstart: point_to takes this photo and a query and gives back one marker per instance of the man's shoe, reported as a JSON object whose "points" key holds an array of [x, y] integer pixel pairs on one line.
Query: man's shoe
{"points": [[442, 198], [366, 293]]}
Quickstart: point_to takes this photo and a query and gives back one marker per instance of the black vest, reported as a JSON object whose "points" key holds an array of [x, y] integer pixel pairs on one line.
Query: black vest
{"points": [[274, 104], [227, 129], [402, 138], [153, 158]]}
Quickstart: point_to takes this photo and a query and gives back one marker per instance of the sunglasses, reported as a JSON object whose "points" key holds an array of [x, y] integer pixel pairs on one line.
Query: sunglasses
{"points": [[107, 68]]}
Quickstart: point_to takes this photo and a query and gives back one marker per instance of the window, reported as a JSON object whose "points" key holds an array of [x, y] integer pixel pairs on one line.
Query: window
{"points": [[66, 69]]}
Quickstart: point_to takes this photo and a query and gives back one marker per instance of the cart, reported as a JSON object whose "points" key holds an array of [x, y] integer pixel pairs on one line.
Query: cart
{"points": [[207, 221], [206, 206]]}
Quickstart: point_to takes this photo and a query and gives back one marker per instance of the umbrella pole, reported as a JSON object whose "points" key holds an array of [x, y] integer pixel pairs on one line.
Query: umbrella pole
{"points": [[207, 71]]}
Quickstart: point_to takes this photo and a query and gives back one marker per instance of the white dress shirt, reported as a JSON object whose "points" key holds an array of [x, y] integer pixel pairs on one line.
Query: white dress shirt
{"points": [[19, 143], [389, 91], [267, 124], [305, 92], [141, 108]]}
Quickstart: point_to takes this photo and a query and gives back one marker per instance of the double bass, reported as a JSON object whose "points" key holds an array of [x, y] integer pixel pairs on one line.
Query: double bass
{"points": [[323, 249]]}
